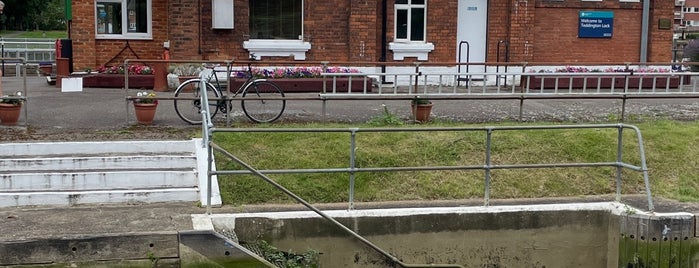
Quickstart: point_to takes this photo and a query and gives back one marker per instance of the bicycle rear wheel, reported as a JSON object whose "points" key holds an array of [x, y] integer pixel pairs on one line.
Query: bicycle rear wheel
{"points": [[188, 103], [264, 103]]}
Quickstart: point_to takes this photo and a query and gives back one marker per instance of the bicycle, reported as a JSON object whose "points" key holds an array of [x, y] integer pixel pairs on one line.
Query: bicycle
{"points": [[265, 104]]}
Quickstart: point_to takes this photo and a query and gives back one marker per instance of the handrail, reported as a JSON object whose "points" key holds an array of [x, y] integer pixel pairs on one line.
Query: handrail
{"points": [[322, 214], [208, 130], [487, 167]]}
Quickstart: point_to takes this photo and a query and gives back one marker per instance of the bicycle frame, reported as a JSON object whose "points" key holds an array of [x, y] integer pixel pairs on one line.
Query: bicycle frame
{"points": [[250, 80]]}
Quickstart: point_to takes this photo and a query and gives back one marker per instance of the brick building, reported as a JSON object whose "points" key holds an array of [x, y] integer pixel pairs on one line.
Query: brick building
{"points": [[104, 32]]}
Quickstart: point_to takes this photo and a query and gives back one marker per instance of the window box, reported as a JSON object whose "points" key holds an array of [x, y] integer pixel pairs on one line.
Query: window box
{"points": [[402, 50], [297, 85], [277, 48], [117, 80]]}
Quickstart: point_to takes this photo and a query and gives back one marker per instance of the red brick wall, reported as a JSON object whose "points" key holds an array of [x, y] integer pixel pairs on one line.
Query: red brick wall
{"points": [[556, 27], [536, 31], [91, 53]]}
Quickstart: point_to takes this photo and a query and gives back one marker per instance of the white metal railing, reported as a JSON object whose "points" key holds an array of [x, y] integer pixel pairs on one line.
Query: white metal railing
{"points": [[34, 50], [517, 86]]}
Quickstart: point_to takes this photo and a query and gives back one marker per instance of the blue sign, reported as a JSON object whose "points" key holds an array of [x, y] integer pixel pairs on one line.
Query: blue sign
{"points": [[596, 24]]}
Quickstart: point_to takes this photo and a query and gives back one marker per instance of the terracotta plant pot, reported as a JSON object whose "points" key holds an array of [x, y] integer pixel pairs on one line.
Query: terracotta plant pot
{"points": [[421, 112], [145, 112], [9, 113]]}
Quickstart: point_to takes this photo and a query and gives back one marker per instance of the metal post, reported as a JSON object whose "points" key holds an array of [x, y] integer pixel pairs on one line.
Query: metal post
{"points": [[619, 160], [353, 148], [488, 140]]}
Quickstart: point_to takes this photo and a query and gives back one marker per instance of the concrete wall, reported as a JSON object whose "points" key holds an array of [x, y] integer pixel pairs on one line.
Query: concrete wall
{"points": [[511, 239]]}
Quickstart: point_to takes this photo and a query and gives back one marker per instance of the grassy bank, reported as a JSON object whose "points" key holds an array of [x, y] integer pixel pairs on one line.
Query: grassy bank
{"points": [[671, 150]]}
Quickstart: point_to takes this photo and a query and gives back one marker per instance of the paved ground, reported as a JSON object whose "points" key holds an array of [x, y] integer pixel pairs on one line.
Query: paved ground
{"points": [[100, 113], [103, 113]]}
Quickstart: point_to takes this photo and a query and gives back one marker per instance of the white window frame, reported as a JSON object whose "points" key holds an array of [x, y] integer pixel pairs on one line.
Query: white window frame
{"points": [[409, 7], [404, 47], [125, 34], [296, 48]]}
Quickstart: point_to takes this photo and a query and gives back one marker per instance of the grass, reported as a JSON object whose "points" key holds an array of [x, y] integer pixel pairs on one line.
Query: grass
{"points": [[40, 34], [671, 149]]}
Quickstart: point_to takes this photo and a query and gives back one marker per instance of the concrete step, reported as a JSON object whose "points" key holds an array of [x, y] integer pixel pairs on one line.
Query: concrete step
{"points": [[47, 149], [87, 181], [50, 164], [73, 198], [71, 173]]}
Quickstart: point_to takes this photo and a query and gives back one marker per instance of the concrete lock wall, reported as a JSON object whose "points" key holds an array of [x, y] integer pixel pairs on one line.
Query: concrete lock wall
{"points": [[513, 239], [574, 235]]}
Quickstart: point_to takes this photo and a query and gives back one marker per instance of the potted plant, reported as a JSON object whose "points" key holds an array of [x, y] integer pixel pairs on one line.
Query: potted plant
{"points": [[10, 107], [145, 106], [421, 108]]}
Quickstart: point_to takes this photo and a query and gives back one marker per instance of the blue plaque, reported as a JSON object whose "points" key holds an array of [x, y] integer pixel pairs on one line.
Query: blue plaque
{"points": [[596, 24]]}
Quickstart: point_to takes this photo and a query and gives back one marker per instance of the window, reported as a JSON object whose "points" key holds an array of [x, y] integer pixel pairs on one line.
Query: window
{"points": [[276, 29], [410, 20], [410, 28], [276, 19], [123, 19]]}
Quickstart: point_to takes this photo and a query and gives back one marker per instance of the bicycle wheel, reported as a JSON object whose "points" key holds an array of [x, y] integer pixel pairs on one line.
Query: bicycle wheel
{"points": [[264, 103], [188, 104]]}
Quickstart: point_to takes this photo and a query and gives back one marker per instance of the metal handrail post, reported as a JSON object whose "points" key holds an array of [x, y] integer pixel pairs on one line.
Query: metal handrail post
{"points": [[353, 157], [488, 141], [619, 159], [644, 167]]}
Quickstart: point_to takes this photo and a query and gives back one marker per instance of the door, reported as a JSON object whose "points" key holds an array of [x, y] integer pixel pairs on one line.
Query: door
{"points": [[471, 34]]}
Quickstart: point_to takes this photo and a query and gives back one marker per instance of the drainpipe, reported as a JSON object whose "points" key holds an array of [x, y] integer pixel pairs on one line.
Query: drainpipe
{"points": [[644, 31], [199, 26], [383, 39]]}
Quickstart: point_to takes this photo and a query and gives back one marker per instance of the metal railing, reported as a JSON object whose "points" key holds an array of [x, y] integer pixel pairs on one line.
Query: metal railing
{"points": [[520, 86], [208, 130], [487, 166], [34, 50]]}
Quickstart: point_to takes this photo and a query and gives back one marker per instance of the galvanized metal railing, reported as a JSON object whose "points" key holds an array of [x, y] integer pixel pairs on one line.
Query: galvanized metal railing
{"points": [[517, 86], [487, 166]]}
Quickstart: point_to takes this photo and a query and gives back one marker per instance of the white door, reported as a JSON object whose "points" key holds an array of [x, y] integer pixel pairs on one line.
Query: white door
{"points": [[471, 34]]}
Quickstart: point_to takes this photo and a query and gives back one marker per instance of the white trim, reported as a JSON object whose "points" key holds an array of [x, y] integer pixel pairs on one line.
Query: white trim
{"points": [[411, 49], [124, 27], [277, 48]]}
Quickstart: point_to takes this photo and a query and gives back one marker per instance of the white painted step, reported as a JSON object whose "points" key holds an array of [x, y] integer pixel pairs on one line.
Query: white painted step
{"points": [[14, 165], [71, 173], [70, 198], [100, 148], [86, 181]]}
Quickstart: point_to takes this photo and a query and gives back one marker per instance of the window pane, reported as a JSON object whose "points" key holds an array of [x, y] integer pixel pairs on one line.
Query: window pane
{"points": [[275, 19], [401, 24], [108, 18], [417, 24], [418, 2], [401, 1], [137, 16]]}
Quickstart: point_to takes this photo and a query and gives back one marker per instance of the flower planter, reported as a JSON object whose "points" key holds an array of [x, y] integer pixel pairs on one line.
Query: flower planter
{"points": [[549, 82], [117, 80], [145, 112], [46, 69], [421, 112], [9, 113], [292, 85]]}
